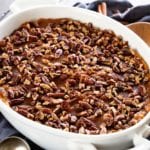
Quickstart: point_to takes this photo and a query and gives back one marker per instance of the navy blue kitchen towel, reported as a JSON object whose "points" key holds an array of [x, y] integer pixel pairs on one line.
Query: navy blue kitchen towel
{"points": [[121, 10], [5, 128]]}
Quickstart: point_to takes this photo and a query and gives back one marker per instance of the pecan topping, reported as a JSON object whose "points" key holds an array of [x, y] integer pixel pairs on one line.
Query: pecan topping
{"points": [[73, 76]]}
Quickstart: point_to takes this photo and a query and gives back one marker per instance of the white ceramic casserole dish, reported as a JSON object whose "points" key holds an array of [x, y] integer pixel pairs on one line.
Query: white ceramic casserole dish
{"points": [[50, 138]]}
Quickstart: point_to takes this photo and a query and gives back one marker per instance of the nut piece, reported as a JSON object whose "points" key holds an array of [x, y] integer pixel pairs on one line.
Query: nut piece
{"points": [[108, 119]]}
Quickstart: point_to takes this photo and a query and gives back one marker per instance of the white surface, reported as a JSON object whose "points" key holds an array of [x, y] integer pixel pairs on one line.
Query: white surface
{"points": [[4, 5], [22, 4], [50, 138]]}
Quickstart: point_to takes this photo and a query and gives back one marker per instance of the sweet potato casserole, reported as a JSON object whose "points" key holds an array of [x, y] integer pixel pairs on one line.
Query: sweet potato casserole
{"points": [[73, 76]]}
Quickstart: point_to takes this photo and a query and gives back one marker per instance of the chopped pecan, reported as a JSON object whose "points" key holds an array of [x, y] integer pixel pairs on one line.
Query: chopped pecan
{"points": [[52, 100], [16, 101], [108, 119], [58, 53], [2, 43], [142, 90], [56, 95]]}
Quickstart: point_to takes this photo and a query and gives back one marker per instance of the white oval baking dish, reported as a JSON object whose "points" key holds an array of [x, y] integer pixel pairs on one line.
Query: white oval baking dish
{"points": [[55, 139]]}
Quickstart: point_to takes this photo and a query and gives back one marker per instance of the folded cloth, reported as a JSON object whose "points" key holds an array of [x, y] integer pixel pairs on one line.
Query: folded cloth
{"points": [[5, 128], [120, 10]]}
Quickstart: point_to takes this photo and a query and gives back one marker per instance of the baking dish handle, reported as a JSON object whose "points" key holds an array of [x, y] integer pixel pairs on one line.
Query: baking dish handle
{"points": [[18, 5], [80, 146], [139, 140]]}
